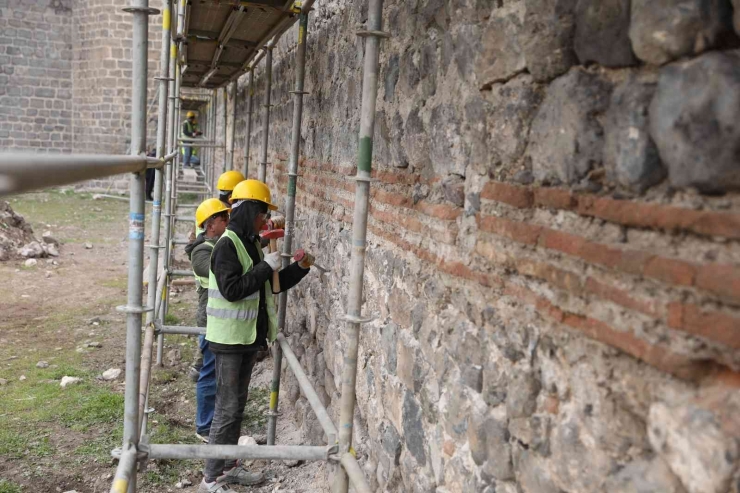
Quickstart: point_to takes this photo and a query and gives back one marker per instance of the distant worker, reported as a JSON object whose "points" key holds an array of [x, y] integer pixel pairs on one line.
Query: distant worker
{"points": [[190, 130], [241, 320], [213, 216]]}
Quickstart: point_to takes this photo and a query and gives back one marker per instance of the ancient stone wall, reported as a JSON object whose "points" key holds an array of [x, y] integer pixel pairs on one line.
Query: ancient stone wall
{"points": [[36, 75], [553, 257], [66, 78]]}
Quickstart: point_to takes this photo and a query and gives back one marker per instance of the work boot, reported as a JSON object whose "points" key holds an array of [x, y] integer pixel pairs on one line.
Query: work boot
{"points": [[194, 372], [239, 475], [214, 487]]}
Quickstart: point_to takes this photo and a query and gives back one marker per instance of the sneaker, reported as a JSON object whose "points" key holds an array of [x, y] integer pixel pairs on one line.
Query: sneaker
{"points": [[214, 487], [203, 437], [239, 475], [194, 373]]}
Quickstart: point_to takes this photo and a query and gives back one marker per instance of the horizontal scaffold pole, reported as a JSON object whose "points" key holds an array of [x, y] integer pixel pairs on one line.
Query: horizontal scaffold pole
{"points": [[23, 171], [305, 384], [176, 329], [250, 452]]}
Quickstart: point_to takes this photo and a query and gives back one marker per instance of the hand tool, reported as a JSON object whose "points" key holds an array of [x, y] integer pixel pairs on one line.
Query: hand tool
{"points": [[273, 235]]}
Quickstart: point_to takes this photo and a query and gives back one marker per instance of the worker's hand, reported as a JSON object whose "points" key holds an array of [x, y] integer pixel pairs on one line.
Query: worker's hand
{"points": [[273, 259], [277, 222], [307, 261]]}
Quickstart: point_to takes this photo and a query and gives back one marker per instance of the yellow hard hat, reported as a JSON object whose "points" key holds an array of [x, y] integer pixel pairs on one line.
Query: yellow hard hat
{"points": [[190, 114], [253, 190], [207, 208], [227, 181]]}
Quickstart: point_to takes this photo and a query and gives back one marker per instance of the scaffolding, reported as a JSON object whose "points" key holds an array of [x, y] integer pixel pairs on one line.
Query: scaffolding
{"points": [[210, 45]]}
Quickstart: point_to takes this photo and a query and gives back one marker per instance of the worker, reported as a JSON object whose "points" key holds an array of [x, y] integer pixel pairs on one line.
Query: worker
{"points": [[241, 320], [190, 130], [213, 216], [225, 185]]}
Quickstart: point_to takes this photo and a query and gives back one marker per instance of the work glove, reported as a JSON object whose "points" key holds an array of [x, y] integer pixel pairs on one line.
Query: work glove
{"points": [[273, 259], [277, 222], [307, 261]]}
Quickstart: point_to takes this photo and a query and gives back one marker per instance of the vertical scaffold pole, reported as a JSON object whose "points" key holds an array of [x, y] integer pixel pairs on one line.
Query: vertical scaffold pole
{"points": [[170, 205], [140, 12], [262, 172], [211, 135], [232, 130], [225, 147], [295, 144], [171, 147], [353, 317], [248, 131], [155, 246]]}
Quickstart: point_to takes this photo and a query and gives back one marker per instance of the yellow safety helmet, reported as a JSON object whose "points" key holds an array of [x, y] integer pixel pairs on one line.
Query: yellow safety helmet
{"points": [[208, 208], [253, 190], [190, 114], [227, 181]]}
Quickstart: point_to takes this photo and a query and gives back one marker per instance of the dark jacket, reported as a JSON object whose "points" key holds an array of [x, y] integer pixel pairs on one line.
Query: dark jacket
{"points": [[233, 286], [199, 253]]}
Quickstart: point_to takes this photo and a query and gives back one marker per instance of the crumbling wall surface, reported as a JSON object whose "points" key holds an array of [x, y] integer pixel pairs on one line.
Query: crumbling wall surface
{"points": [[553, 257], [36, 75]]}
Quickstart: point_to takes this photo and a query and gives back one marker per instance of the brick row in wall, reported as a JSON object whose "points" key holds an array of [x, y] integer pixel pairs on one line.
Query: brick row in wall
{"points": [[429, 231]]}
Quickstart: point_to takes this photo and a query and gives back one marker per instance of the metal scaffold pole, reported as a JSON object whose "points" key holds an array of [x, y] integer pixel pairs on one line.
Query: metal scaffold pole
{"points": [[295, 144], [354, 317], [262, 172], [133, 309], [155, 246], [248, 131], [226, 121], [232, 130], [171, 191]]}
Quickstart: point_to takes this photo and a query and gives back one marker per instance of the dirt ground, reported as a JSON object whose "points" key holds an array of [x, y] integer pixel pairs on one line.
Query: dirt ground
{"points": [[59, 319]]}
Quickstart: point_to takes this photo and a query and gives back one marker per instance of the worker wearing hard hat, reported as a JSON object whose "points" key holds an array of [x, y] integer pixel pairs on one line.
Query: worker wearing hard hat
{"points": [[225, 185], [241, 321], [190, 130], [212, 215]]}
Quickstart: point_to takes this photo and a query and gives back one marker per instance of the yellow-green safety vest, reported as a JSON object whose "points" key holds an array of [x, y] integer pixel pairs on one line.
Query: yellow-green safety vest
{"points": [[236, 322], [203, 282]]}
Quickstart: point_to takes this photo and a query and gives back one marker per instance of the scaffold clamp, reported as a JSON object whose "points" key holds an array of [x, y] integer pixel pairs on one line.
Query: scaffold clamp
{"points": [[356, 320]]}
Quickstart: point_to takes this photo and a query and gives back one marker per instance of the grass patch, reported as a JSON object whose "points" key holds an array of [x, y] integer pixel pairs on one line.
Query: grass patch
{"points": [[8, 487], [255, 417], [171, 319]]}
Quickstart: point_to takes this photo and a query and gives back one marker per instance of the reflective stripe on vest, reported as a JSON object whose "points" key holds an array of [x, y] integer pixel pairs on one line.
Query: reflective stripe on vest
{"points": [[235, 322], [203, 282], [215, 293]]}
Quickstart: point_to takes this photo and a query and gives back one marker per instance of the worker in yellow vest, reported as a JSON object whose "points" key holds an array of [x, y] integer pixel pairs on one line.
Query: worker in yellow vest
{"points": [[212, 216], [241, 321], [190, 130]]}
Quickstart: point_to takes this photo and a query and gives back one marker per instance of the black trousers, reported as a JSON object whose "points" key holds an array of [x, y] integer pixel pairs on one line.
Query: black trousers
{"points": [[233, 373]]}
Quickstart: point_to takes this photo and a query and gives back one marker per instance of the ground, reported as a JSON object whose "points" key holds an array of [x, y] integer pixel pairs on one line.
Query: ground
{"points": [[55, 439]]}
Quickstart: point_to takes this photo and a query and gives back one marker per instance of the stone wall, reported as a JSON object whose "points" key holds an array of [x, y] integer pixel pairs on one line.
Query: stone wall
{"points": [[553, 256], [36, 75], [66, 78]]}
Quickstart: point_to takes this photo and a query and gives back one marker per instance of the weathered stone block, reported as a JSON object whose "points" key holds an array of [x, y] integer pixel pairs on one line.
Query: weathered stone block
{"points": [[566, 139], [695, 122], [665, 30], [489, 446], [501, 55], [521, 397], [413, 429], [602, 32], [549, 26], [512, 108], [644, 476], [630, 155], [699, 440]]}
